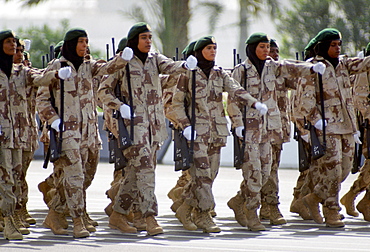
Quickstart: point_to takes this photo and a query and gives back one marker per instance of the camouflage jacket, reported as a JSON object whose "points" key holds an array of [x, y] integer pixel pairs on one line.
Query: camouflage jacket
{"points": [[15, 120], [361, 91], [80, 115], [266, 128], [283, 102], [147, 94], [339, 107], [210, 122]]}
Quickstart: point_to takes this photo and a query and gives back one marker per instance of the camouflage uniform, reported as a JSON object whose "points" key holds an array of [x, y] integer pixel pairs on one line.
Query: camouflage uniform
{"points": [[81, 140], [210, 126], [149, 130], [261, 131], [328, 172], [15, 136]]}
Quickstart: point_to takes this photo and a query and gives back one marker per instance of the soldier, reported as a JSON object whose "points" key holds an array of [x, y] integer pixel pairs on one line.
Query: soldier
{"points": [[81, 141], [210, 131], [362, 183], [14, 122], [141, 77], [259, 74], [269, 192], [329, 171]]}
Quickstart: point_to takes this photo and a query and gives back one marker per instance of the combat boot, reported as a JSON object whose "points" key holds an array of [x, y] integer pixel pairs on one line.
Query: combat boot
{"points": [[254, 223], [236, 203], [119, 221], [44, 188], [264, 211], [52, 221], [89, 227], [139, 221], [91, 221], [299, 208], [109, 209], [79, 229], [348, 201], [176, 204], [183, 213], [311, 201], [26, 216], [19, 223], [213, 213], [205, 222], [364, 207], [276, 218], [152, 226], [11, 232], [1, 227], [332, 218], [22, 217]]}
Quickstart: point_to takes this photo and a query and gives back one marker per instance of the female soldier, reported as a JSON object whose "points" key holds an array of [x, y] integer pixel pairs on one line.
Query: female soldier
{"points": [[259, 74], [210, 130]]}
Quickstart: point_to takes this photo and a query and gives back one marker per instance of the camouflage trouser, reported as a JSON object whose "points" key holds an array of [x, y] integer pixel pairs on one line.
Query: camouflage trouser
{"points": [[27, 157], [332, 169], [90, 159], [139, 181], [69, 183], [198, 192], [304, 185], [270, 190], [10, 171], [256, 171]]}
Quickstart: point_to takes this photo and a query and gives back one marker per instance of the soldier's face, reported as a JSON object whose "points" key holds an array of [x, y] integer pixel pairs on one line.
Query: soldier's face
{"points": [[334, 48], [9, 46], [263, 50], [82, 44], [209, 52], [145, 42], [18, 56], [274, 53]]}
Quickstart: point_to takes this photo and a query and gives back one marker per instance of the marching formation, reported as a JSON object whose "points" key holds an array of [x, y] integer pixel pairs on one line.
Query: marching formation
{"points": [[325, 97]]}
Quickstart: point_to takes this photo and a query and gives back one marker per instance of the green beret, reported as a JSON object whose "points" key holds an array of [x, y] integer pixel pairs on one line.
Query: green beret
{"points": [[74, 33], [310, 44], [138, 28], [6, 34], [257, 37], [121, 45], [324, 35], [204, 41], [189, 49], [273, 43], [367, 50], [58, 46]]}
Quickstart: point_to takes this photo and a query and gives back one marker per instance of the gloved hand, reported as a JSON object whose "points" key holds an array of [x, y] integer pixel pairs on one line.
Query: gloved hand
{"points": [[239, 131], [318, 125], [187, 133], [305, 138], [357, 136], [191, 62], [319, 68], [127, 54], [261, 107], [361, 54], [125, 111], [55, 124], [64, 72], [27, 44]]}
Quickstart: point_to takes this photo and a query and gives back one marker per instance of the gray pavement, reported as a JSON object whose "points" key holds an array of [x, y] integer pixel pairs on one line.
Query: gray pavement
{"points": [[297, 235]]}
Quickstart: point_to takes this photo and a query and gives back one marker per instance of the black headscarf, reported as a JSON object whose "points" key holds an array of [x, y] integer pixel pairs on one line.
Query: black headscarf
{"points": [[6, 61], [322, 49], [251, 53], [204, 64], [69, 52], [133, 43]]}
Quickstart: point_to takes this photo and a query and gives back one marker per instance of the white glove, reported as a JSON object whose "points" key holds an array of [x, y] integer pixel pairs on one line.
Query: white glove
{"points": [[361, 54], [357, 136], [319, 68], [187, 133], [319, 126], [191, 62], [127, 54], [55, 124], [27, 44], [125, 111], [239, 131], [261, 107], [305, 138], [64, 72]]}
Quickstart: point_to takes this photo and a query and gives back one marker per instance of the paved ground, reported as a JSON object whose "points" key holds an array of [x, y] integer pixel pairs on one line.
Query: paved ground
{"points": [[297, 235]]}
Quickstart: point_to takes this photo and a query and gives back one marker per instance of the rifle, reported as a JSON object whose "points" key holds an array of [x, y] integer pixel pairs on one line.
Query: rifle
{"points": [[131, 102], [357, 161], [107, 51], [181, 150], [317, 150], [321, 88], [192, 119], [303, 163], [113, 47]]}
